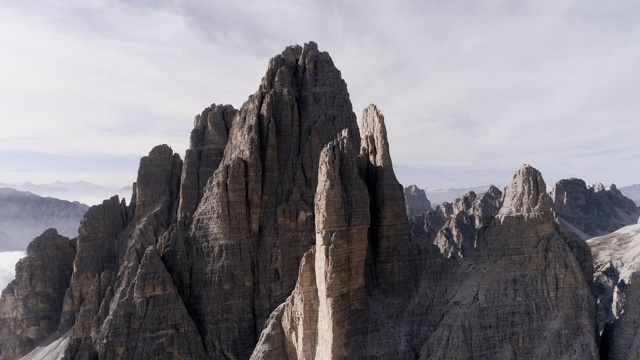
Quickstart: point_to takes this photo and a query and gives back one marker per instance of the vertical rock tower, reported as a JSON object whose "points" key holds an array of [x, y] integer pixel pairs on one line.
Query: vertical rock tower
{"points": [[283, 235]]}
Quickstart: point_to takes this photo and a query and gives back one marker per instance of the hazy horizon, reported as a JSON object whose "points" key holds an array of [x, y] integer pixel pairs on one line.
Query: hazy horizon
{"points": [[470, 91]]}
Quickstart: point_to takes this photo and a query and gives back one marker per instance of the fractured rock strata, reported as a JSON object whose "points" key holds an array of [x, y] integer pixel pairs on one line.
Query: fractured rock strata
{"points": [[31, 305], [293, 243], [453, 228], [527, 276], [592, 211], [416, 201]]}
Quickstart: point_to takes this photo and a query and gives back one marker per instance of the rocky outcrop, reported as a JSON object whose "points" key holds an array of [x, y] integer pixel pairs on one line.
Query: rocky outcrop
{"points": [[31, 305], [111, 245], [152, 313], [453, 228], [592, 211], [343, 307], [393, 251], [315, 320], [24, 215], [297, 247], [209, 138], [256, 218], [615, 278], [621, 338], [526, 276], [416, 201]]}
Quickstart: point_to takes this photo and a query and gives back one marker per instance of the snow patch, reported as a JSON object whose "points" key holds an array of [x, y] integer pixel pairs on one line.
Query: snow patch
{"points": [[621, 247], [53, 351]]}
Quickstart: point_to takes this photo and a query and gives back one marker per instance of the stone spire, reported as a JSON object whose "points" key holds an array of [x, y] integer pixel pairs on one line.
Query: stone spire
{"points": [[527, 195]]}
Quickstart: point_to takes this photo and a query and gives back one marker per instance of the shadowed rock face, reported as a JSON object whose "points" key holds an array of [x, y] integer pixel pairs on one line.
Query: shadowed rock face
{"points": [[206, 148], [416, 201], [31, 304], [453, 228], [297, 246], [256, 218], [525, 277], [350, 303], [592, 211], [616, 265]]}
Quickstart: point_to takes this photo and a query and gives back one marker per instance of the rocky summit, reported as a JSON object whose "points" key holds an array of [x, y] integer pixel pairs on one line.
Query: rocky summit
{"points": [[416, 201], [592, 211], [283, 234]]}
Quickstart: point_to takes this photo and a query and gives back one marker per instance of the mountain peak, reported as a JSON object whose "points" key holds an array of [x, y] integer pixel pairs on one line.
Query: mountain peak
{"points": [[526, 195]]}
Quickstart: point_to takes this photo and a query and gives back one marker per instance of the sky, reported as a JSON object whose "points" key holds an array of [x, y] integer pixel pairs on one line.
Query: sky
{"points": [[470, 90]]}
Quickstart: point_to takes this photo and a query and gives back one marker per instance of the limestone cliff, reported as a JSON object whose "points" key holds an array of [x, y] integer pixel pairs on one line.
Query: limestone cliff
{"points": [[31, 305], [592, 211], [284, 235], [416, 201], [524, 292], [350, 303], [454, 228]]}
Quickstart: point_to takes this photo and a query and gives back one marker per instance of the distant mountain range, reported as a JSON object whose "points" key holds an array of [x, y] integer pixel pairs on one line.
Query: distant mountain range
{"points": [[81, 191], [438, 196], [632, 192], [24, 215]]}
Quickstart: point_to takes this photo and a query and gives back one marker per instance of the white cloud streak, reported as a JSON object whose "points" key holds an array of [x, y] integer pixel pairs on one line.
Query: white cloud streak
{"points": [[8, 260], [470, 90]]}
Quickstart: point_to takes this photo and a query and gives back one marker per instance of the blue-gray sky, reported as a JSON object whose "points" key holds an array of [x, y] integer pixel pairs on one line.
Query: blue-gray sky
{"points": [[470, 89]]}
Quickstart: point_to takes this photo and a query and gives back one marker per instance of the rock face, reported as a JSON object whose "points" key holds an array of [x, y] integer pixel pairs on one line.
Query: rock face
{"points": [[256, 218], [293, 243], [342, 307], [24, 215], [616, 282], [31, 305], [315, 320], [416, 201], [526, 276], [208, 141], [592, 211], [453, 228]]}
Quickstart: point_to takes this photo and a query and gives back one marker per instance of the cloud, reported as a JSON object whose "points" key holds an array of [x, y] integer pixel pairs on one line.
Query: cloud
{"points": [[8, 260], [470, 90]]}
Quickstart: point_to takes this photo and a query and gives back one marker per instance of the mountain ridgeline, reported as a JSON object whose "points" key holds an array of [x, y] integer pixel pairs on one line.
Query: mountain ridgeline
{"points": [[283, 235], [24, 215]]}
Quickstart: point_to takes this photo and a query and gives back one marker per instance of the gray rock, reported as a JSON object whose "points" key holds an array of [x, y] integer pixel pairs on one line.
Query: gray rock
{"points": [[621, 340], [615, 259], [298, 246], [31, 305], [453, 228], [592, 211], [416, 201], [526, 276], [208, 141], [256, 217]]}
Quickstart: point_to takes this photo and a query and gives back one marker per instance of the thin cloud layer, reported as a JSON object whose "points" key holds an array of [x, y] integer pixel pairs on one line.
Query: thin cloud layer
{"points": [[8, 260], [470, 90]]}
